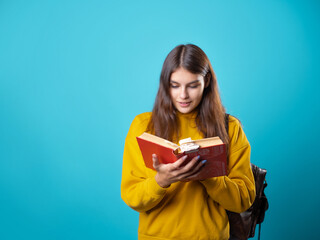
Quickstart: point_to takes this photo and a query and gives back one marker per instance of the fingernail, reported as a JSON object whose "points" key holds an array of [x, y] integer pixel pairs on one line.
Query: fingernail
{"points": [[203, 161], [198, 157], [185, 157]]}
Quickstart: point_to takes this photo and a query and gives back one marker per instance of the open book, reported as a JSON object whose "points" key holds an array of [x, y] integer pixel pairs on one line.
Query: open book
{"points": [[211, 149]]}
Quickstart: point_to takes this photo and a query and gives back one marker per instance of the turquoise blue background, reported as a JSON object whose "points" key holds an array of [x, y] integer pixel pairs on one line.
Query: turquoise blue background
{"points": [[73, 74]]}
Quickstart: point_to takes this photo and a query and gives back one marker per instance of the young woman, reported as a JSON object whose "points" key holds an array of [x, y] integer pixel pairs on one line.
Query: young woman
{"points": [[171, 204]]}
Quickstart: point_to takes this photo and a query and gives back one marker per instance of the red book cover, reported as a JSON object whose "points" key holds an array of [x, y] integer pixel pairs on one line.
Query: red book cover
{"points": [[211, 149]]}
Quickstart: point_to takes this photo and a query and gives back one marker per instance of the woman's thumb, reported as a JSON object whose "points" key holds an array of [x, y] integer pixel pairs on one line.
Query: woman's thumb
{"points": [[155, 161]]}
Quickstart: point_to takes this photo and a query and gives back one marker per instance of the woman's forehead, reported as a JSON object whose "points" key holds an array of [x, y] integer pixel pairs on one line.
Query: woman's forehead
{"points": [[182, 75]]}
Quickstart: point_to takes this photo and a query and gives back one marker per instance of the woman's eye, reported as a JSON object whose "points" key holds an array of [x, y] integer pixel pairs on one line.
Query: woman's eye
{"points": [[194, 86], [174, 86]]}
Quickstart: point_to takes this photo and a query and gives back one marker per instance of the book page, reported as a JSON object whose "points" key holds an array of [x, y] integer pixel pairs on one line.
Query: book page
{"points": [[208, 141], [158, 140]]}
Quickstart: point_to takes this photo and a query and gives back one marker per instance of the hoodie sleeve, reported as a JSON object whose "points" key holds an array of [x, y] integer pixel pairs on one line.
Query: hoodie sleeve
{"points": [[139, 189], [235, 192]]}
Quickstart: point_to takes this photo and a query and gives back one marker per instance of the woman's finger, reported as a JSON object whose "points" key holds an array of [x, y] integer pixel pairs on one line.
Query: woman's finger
{"points": [[155, 161], [189, 166], [177, 164], [188, 176]]}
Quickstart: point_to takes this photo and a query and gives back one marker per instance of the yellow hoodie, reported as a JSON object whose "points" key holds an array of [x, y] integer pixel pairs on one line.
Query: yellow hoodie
{"points": [[186, 210]]}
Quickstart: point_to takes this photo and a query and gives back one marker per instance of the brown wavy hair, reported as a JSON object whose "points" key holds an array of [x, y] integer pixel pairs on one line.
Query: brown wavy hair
{"points": [[210, 118]]}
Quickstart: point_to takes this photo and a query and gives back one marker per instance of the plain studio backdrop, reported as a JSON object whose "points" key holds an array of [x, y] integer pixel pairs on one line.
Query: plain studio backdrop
{"points": [[73, 74]]}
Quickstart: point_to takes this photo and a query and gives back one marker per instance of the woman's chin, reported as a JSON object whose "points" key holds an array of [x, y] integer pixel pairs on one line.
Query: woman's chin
{"points": [[185, 109]]}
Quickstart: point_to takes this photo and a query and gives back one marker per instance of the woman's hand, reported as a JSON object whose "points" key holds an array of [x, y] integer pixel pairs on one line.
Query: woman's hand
{"points": [[174, 172]]}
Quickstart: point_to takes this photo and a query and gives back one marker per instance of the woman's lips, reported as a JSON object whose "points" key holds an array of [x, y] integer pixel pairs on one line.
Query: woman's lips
{"points": [[184, 104]]}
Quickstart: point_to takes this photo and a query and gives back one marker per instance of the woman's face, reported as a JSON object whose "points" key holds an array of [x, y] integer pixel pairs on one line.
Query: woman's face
{"points": [[186, 90]]}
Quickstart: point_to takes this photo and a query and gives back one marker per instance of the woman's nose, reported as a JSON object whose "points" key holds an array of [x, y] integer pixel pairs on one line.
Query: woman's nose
{"points": [[183, 93]]}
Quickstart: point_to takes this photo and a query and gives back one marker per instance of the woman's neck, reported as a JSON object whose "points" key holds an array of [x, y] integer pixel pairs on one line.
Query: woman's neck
{"points": [[192, 114]]}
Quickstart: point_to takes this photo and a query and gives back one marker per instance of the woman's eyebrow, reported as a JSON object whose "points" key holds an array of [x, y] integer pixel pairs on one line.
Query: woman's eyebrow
{"points": [[195, 81], [172, 81]]}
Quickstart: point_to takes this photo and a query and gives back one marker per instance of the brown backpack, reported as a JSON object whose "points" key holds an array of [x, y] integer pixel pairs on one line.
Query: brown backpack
{"points": [[243, 225]]}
